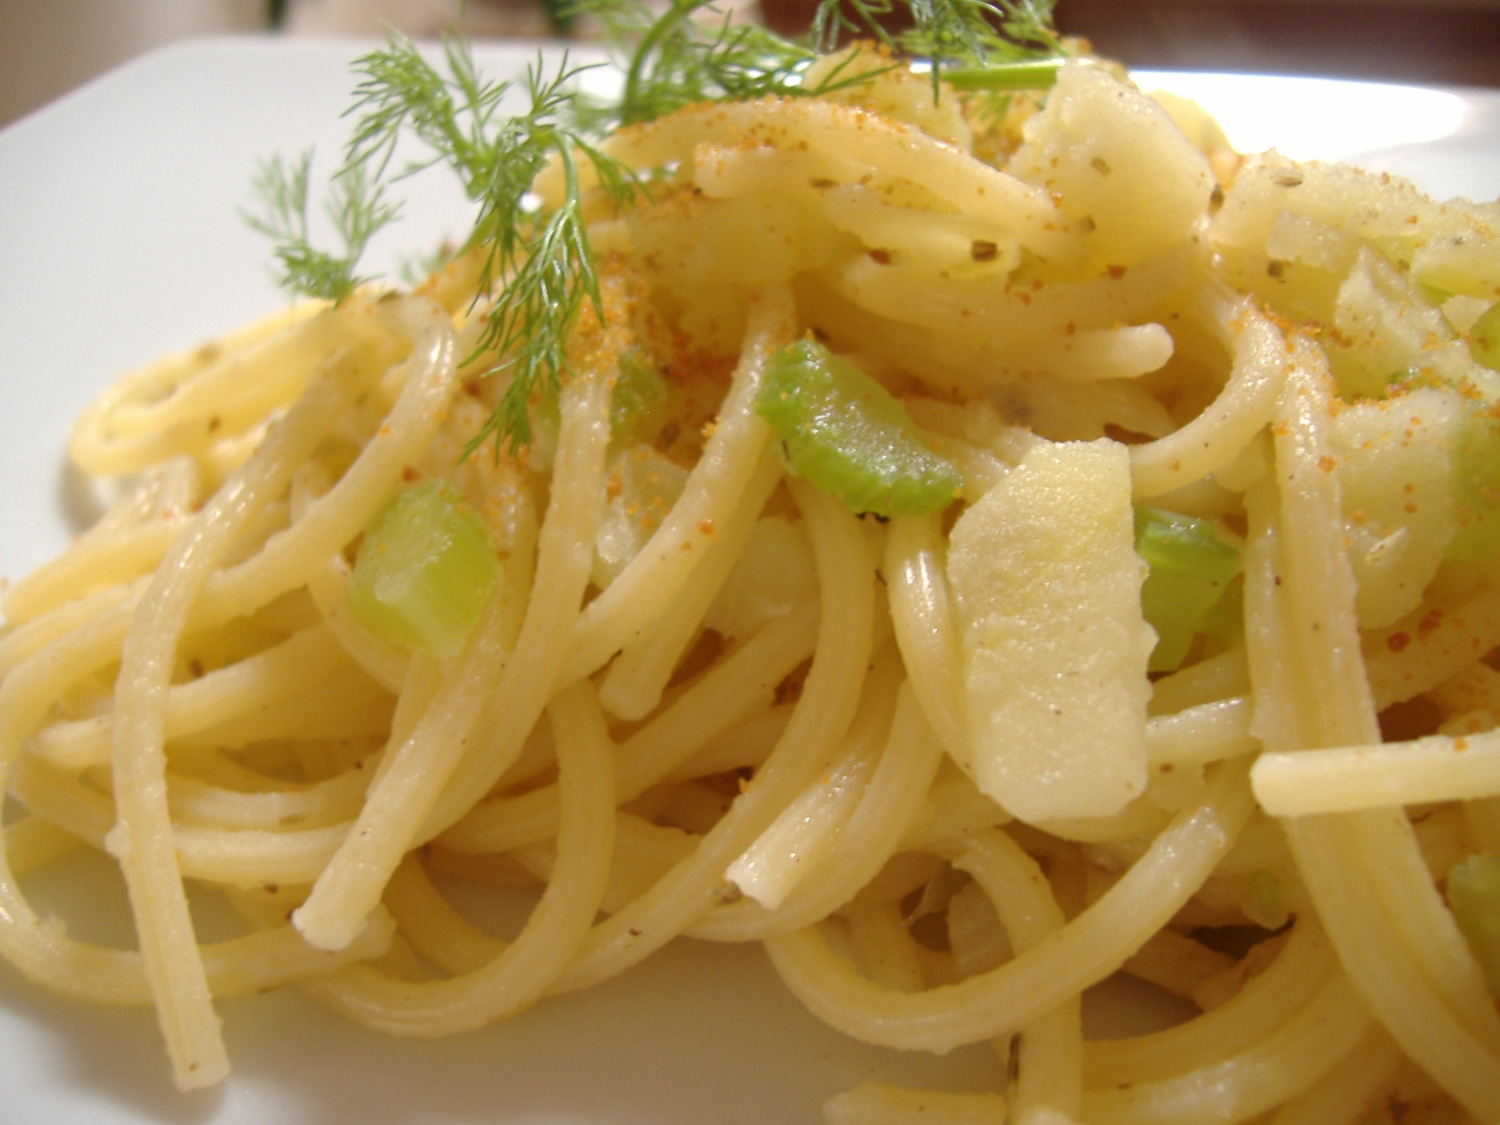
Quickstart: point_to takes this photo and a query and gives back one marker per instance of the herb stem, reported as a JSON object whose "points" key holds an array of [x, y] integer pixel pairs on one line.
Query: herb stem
{"points": [[630, 100], [1030, 74]]}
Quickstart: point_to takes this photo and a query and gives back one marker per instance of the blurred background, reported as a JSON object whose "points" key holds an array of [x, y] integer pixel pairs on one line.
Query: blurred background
{"points": [[47, 47], [1453, 42]]}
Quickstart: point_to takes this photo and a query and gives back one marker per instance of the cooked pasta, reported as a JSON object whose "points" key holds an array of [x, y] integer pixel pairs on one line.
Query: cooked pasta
{"points": [[1165, 648]]}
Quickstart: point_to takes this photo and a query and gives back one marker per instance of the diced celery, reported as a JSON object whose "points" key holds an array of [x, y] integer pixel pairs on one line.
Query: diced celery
{"points": [[1189, 568], [424, 571], [1474, 897], [1268, 902], [1476, 484], [637, 398], [848, 435], [643, 485], [1224, 623], [1484, 338]]}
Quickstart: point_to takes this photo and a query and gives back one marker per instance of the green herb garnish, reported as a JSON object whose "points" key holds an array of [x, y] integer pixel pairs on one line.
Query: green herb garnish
{"points": [[356, 206], [539, 262], [537, 270], [692, 53], [982, 33]]}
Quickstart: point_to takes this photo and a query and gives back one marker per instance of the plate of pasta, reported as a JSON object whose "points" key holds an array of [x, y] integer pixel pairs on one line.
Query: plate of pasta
{"points": [[751, 583]]}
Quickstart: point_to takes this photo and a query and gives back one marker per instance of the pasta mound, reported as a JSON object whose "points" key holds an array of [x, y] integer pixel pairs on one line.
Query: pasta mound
{"points": [[921, 759]]}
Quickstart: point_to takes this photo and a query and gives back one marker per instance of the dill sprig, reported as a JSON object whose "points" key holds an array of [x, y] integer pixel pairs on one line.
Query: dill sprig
{"points": [[356, 206], [973, 33], [982, 32], [977, 45], [695, 52], [537, 269], [537, 264]]}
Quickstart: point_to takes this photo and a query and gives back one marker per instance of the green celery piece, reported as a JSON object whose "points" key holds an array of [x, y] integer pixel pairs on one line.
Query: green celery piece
{"points": [[1474, 897], [1477, 485], [424, 571], [848, 435], [1484, 338], [1189, 568], [639, 394], [1269, 902], [1225, 620]]}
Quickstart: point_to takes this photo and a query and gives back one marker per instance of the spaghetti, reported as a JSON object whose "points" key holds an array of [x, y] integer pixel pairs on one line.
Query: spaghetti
{"points": [[705, 698]]}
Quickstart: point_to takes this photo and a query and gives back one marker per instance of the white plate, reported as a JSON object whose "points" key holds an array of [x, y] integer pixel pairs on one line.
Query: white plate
{"points": [[119, 239]]}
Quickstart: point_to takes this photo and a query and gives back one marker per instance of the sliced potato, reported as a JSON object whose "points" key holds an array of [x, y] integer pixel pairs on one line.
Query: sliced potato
{"points": [[1395, 461], [1119, 164], [1048, 590]]}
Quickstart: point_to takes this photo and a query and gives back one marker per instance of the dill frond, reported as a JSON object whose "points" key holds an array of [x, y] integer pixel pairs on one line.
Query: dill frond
{"points": [[537, 267], [537, 264], [695, 52], [356, 206], [540, 262], [980, 33]]}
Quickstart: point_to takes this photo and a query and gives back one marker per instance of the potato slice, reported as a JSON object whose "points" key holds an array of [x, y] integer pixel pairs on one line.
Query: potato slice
{"points": [[1048, 590], [1396, 476], [1119, 164]]}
